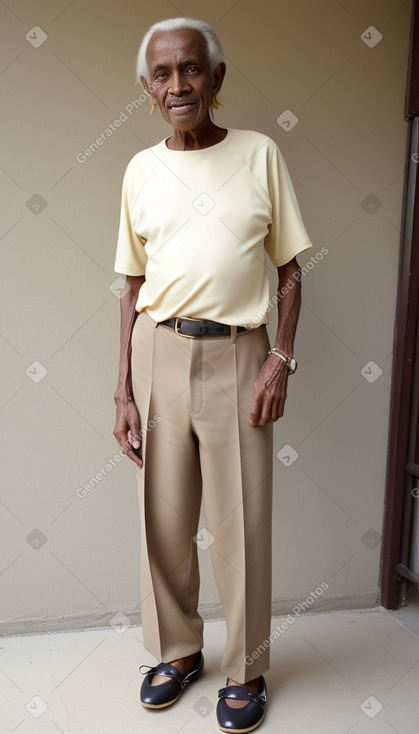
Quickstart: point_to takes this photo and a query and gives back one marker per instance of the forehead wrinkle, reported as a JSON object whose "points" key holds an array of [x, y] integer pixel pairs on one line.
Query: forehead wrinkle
{"points": [[189, 61], [166, 48]]}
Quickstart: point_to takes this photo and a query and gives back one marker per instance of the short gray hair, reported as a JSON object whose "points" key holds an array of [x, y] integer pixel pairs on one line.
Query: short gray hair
{"points": [[214, 50]]}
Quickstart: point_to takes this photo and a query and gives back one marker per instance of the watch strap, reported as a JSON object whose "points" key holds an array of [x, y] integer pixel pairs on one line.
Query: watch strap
{"points": [[289, 361]]}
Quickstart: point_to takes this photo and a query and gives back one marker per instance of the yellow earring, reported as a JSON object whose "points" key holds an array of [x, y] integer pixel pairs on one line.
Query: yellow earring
{"points": [[216, 102], [152, 108]]}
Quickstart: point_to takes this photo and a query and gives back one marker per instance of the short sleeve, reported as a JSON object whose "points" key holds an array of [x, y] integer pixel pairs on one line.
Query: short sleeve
{"points": [[287, 235], [130, 257]]}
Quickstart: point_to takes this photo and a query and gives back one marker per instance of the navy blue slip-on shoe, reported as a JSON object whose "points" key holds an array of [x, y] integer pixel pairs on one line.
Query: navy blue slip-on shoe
{"points": [[164, 694], [239, 721]]}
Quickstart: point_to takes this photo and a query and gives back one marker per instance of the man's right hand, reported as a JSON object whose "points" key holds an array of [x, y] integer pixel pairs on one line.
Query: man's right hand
{"points": [[127, 428]]}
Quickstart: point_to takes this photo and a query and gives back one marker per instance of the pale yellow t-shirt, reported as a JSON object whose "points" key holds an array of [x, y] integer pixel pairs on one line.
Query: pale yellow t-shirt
{"points": [[198, 225]]}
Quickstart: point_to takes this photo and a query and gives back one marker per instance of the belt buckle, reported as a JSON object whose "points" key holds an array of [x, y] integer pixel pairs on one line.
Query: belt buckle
{"points": [[185, 318]]}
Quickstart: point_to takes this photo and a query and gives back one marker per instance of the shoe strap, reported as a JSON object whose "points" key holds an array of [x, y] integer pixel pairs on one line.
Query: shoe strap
{"points": [[242, 694], [163, 669], [170, 671]]}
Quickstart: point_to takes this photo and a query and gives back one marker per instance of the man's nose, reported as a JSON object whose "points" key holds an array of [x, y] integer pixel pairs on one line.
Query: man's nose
{"points": [[179, 84]]}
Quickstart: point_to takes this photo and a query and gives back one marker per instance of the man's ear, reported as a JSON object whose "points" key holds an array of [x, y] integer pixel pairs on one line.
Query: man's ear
{"points": [[218, 76], [146, 87]]}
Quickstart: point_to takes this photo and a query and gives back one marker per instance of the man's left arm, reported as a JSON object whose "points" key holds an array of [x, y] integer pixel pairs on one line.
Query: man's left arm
{"points": [[270, 389]]}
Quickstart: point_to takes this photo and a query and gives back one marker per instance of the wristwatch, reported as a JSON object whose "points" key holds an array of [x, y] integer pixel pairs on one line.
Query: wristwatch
{"points": [[289, 361]]}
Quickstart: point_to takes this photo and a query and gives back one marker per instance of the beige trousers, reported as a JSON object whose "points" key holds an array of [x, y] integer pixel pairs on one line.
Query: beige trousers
{"points": [[194, 397]]}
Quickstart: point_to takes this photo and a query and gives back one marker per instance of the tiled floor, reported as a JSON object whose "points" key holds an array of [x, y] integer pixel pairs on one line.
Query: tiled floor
{"points": [[331, 673]]}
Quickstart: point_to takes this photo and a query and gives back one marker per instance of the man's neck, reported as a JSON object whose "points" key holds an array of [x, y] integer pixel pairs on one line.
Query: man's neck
{"points": [[196, 139]]}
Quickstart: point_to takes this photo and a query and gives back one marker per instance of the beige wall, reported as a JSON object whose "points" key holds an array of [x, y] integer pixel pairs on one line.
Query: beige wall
{"points": [[68, 561]]}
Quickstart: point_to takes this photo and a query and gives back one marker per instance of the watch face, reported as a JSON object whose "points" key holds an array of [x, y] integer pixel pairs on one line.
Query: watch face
{"points": [[292, 364]]}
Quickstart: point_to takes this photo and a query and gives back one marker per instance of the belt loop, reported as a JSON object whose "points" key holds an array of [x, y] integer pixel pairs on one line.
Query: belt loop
{"points": [[233, 334]]}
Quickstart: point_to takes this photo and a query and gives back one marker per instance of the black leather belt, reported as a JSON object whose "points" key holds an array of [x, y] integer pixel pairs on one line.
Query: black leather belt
{"points": [[196, 328]]}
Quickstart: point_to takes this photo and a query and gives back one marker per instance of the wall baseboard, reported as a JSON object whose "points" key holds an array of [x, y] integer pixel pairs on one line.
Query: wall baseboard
{"points": [[209, 612]]}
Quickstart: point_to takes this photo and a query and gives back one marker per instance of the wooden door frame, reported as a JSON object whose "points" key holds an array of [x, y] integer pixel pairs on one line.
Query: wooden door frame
{"points": [[397, 504]]}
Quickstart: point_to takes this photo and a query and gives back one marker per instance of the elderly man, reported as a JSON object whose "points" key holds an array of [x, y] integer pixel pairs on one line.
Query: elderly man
{"points": [[199, 387]]}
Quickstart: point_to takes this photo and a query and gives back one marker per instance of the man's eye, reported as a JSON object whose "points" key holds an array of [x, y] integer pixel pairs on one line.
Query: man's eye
{"points": [[193, 68]]}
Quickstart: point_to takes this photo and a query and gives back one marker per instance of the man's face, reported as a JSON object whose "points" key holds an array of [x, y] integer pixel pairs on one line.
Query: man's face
{"points": [[181, 82]]}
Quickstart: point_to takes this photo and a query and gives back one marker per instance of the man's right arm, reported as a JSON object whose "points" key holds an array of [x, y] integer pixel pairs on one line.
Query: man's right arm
{"points": [[127, 426]]}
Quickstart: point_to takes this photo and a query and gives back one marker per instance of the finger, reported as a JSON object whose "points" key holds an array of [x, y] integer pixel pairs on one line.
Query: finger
{"points": [[266, 413], [127, 448], [124, 441], [275, 410], [135, 458], [255, 411], [132, 453], [134, 437]]}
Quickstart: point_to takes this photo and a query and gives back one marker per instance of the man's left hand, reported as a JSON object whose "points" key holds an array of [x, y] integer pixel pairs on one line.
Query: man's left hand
{"points": [[270, 392]]}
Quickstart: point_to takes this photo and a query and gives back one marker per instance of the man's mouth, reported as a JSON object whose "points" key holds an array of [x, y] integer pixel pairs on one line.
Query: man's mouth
{"points": [[180, 105]]}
